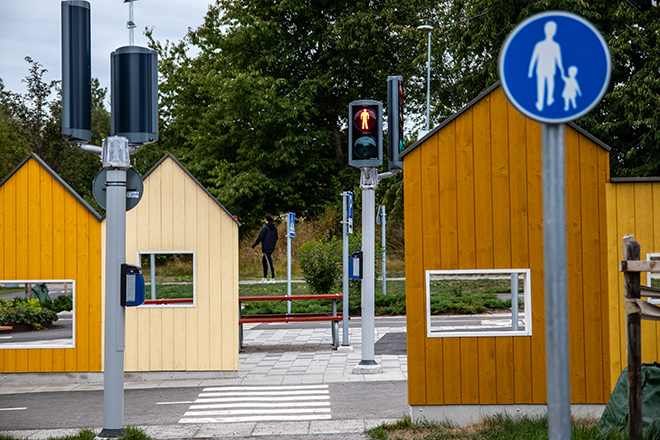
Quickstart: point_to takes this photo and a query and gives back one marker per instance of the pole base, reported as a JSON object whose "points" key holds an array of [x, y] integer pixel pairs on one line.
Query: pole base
{"points": [[367, 367], [345, 349], [112, 433]]}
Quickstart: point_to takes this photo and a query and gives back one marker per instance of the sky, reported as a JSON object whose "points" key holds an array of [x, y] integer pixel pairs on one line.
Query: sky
{"points": [[33, 28]]}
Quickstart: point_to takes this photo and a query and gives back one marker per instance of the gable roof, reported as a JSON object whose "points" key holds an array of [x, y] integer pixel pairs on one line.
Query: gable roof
{"points": [[488, 91], [55, 176], [168, 155]]}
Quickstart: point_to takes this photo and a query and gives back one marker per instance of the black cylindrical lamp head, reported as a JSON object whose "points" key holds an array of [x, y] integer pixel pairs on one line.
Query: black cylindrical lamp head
{"points": [[134, 94]]}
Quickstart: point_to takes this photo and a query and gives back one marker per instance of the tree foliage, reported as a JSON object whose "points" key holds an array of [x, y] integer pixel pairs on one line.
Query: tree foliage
{"points": [[259, 113], [31, 122], [469, 36]]}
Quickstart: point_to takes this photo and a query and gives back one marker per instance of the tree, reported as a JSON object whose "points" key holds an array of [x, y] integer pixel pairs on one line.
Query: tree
{"points": [[29, 122], [471, 33], [259, 114]]}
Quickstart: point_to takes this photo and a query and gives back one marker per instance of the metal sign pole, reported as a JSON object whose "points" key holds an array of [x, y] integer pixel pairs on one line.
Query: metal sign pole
{"points": [[116, 161], [368, 184], [383, 223], [290, 231], [345, 266], [556, 284]]}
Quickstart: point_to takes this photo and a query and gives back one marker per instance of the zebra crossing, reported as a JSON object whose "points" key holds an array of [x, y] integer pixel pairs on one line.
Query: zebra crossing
{"points": [[232, 404]]}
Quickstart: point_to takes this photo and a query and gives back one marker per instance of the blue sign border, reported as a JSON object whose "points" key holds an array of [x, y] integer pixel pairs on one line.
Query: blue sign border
{"points": [[515, 100]]}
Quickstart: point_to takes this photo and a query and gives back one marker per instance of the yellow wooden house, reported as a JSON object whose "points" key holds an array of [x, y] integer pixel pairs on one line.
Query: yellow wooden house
{"points": [[177, 215], [473, 202], [49, 234]]}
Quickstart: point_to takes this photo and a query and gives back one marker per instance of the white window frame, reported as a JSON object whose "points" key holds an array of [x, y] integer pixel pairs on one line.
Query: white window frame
{"points": [[11, 345], [527, 295], [147, 293], [650, 275]]}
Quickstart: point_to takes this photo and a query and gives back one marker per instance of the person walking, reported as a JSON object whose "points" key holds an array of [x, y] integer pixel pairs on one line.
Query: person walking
{"points": [[268, 239]]}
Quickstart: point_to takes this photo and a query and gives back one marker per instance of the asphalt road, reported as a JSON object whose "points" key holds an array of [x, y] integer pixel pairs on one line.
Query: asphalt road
{"points": [[166, 406]]}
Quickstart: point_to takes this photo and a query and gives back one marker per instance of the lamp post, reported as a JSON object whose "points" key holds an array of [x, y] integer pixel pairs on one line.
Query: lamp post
{"points": [[428, 28]]}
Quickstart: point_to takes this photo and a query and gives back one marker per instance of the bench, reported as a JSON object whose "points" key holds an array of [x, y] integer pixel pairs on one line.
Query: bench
{"points": [[333, 318], [6, 328]]}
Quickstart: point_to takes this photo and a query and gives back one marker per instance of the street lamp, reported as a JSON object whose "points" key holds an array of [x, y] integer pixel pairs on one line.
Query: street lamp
{"points": [[428, 28]]}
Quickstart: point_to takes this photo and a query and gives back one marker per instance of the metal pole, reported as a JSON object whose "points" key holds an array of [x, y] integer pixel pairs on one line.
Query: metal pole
{"points": [[384, 241], [288, 265], [115, 255], [514, 301], [345, 305], [368, 184], [131, 25], [428, 87], [556, 284], [152, 269]]}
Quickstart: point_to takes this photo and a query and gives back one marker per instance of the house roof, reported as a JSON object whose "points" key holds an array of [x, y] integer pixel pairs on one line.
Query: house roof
{"points": [[168, 155], [472, 103], [57, 177]]}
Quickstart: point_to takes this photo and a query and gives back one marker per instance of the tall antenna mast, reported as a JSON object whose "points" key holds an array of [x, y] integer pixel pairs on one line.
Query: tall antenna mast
{"points": [[130, 24]]}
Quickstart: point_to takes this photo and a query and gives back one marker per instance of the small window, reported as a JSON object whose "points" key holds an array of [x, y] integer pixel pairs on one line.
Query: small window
{"points": [[37, 314], [478, 303], [169, 278], [653, 278]]}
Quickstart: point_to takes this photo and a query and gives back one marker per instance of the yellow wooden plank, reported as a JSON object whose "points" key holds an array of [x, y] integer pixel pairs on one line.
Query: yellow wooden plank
{"points": [[219, 263], [155, 206], [535, 263], [71, 272], [505, 370], [203, 280], [465, 196], [46, 202], [83, 324], [483, 184], [451, 371], [613, 297], [21, 361], [58, 232], [33, 220], [500, 178], [625, 226], [449, 224], [95, 308], [144, 341], [155, 340], [434, 372], [10, 241], [3, 214], [430, 215], [167, 205], [191, 242], [179, 213], [575, 275], [22, 229], [167, 339], [131, 334], [179, 342], [470, 365], [655, 246], [487, 368], [415, 280]]}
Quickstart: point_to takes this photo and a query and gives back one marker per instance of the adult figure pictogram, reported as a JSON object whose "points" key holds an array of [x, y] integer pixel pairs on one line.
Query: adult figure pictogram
{"points": [[364, 117], [547, 58]]}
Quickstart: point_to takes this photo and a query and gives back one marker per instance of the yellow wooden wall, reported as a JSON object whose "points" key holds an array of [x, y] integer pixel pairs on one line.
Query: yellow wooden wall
{"points": [[177, 214], [473, 200], [47, 233], [633, 208]]}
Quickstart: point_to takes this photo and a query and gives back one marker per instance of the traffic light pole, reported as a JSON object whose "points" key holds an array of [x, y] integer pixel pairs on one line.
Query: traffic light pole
{"points": [[368, 183]]}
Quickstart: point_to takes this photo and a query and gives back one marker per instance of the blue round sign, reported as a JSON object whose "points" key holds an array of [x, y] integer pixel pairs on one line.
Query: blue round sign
{"points": [[555, 67]]}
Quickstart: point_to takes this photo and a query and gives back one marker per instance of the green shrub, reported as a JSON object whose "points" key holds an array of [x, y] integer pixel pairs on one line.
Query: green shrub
{"points": [[23, 311], [320, 263]]}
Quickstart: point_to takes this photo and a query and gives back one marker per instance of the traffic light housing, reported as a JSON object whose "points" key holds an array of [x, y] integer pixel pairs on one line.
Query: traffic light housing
{"points": [[395, 121], [365, 133]]}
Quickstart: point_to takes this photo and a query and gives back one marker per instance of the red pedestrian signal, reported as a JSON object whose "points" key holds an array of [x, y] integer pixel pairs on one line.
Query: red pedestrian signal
{"points": [[365, 134]]}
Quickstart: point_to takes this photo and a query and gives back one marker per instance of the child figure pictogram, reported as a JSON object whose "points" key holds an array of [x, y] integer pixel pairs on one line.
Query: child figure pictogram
{"points": [[571, 88]]}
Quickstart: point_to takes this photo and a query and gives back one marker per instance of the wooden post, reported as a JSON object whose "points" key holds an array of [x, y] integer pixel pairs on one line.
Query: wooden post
{"points": [[631, 289]]}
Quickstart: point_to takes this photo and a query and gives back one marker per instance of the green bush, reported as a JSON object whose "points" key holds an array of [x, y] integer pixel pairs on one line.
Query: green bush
{"points": [[23, 311], [320, 263]]}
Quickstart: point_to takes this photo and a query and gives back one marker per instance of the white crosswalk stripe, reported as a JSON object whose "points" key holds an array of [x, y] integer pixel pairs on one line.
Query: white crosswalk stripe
{"points": [[260, 404]]}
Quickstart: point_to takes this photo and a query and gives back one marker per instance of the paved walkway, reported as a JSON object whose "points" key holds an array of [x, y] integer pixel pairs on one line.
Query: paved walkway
{"points": [[274, 355]]}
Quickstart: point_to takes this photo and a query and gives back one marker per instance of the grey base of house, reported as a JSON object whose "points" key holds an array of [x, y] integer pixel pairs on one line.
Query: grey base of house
{"points": [[462, 415], [95, 377]]}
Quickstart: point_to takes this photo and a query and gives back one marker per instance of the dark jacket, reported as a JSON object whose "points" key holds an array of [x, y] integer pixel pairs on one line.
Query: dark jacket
{"points": [[267, 237]]}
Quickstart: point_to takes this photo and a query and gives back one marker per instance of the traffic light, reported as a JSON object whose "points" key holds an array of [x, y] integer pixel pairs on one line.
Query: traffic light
{"points": [[365, 133], [395, 120]]}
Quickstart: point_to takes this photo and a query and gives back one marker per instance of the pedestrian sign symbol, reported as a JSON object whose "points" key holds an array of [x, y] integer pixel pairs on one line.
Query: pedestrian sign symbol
{"points": [[555, 67]]}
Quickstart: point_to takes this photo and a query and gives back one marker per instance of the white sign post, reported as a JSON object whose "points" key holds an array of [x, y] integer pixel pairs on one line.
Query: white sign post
{"points": [[555, 67]]}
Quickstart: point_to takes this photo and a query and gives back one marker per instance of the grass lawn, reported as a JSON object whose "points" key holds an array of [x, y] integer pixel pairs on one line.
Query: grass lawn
{"points": [[495, 428]]}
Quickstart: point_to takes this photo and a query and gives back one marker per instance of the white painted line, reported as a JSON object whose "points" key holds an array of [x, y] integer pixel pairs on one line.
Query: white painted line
{"points": [[301, 417], [232, 412], [6, 337], [259, 405], [13, 409], [261, 399], [268, 388], [266, 393], [175, 403]]}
